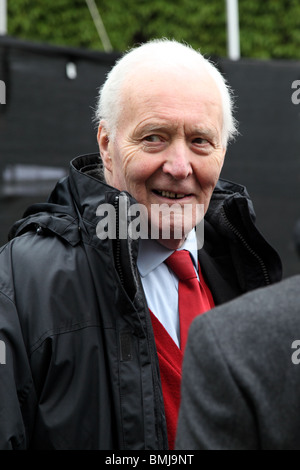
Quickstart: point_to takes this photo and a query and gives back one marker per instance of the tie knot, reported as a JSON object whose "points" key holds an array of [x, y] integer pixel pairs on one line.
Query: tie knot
{"points": [[182, 265]]}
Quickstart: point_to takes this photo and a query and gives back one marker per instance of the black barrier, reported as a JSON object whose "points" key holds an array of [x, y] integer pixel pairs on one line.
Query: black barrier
{"points": [[266, 155], [47, 120]]}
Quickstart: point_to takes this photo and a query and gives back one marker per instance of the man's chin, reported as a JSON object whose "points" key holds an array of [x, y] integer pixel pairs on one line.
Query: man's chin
{"points": [[170, 237], [171, 244]]}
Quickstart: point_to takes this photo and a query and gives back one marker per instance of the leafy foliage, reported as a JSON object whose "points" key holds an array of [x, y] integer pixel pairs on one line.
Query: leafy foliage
{"points": [[268, 29]]}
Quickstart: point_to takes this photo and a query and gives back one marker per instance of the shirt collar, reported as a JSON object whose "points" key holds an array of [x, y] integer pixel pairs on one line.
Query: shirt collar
{"points": [[152, 254]]}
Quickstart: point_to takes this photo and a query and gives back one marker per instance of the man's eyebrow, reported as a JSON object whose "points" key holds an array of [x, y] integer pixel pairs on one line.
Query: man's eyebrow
{"points": [[154, 127], [205, 131], [145, 128]]}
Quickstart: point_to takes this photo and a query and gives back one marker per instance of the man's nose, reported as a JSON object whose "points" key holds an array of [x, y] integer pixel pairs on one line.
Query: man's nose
{"points": [[177, 162]]}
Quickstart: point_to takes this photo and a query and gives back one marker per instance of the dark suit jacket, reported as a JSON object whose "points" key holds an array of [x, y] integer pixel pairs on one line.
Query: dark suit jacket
{"points": [[241, 377]]}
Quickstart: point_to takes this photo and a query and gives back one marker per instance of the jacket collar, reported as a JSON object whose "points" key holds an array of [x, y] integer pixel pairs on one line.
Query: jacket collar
{"points": [[79, 195]]}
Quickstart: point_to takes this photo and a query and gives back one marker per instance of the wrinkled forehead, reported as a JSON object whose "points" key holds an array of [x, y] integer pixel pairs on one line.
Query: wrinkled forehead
{"points": [[154, 74], [181, 86]]}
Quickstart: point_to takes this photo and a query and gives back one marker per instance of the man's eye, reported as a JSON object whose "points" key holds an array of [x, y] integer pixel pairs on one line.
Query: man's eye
{"points": [[152, 138], [200, 141]]}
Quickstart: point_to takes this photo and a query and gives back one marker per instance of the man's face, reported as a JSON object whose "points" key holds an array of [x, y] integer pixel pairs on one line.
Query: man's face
{"points": [[168, 144]]}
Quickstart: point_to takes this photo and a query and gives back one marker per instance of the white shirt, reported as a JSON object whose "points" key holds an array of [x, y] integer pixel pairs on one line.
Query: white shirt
{"points": [[160, 283]]}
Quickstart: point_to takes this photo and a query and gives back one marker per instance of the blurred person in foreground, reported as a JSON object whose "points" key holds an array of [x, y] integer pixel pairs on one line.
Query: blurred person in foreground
{"points": [[89, 311], [241, 374]]}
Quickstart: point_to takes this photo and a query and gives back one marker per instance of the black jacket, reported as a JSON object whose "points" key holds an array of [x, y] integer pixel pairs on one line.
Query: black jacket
{"points": [[81, 369]]}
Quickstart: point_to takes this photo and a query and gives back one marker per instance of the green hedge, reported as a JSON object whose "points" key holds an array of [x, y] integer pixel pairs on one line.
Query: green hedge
{"points": [[268, 29]]}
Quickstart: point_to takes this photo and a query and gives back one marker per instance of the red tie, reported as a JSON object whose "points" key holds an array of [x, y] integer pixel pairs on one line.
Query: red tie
{"points": [[194, 298]]}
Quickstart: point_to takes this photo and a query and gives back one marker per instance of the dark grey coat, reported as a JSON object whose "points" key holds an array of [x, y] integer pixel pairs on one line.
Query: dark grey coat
{"points": [[241, 377]]}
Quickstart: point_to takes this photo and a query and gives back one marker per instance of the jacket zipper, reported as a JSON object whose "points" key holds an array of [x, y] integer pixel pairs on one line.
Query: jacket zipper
{"points": [[247, 246], [118, 243], [163, 444]]}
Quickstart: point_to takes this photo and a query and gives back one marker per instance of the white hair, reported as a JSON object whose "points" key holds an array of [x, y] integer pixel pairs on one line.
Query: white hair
{"points": [[161, 52]]}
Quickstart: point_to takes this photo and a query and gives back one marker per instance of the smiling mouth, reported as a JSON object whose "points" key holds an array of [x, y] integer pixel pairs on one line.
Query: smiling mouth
{"points": [[170, 194]]}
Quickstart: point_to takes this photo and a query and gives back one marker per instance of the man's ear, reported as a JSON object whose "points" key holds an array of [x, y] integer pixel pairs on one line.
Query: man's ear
{"points": [[103, 142]]}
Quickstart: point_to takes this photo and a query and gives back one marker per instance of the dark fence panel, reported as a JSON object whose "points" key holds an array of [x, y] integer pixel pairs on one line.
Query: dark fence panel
{"points": [[266, 155], [47, 120]]}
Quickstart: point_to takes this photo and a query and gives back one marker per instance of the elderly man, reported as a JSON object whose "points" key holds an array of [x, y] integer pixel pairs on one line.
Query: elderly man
{"points": [[92, 303]]}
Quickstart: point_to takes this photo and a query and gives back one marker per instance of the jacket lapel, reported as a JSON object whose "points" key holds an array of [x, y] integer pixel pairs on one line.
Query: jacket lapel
{"points": [[221, 284]]}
